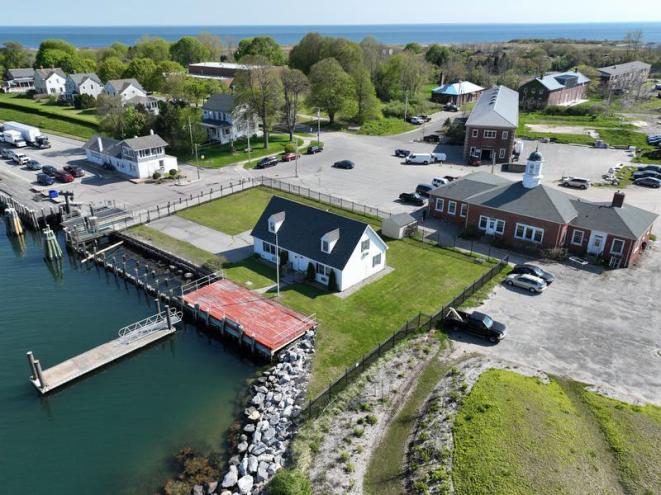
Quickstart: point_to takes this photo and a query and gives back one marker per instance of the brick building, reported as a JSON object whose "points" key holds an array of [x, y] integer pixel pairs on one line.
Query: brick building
{"points": [[621, 78], [528, 214], [560, 88], [491, 126]]}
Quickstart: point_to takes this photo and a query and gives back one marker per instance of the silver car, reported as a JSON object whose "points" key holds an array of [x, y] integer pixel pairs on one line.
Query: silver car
{"points": [[529, 282]]}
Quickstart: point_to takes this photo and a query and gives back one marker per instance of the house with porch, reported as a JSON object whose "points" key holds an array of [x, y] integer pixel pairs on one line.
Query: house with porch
{"points": [[491, 126], [307, 236], [458, 93], [530, 215], [137, 158], [225, 122], [82, 84], [50, 81], [18, 80]]}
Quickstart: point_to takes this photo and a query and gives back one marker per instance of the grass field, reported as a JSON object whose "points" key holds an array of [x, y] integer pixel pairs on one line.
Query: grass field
{"points": [[516, 435], [385, 127], [44, 107], [352, 326]]}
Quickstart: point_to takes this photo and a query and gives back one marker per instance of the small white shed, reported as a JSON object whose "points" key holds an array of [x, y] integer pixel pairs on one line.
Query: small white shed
{"points": [[398, 226]]}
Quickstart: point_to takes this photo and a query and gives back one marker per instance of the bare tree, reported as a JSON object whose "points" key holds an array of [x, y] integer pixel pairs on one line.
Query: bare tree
{"points": [[295, 87], [634, 41]]}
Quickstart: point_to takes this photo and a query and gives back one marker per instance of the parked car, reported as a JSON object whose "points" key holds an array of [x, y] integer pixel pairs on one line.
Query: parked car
{"points": [[647, 173], [527, 269], [648, 182], [7, 153], [416, 120], [420, 159], [402, 153], [49, 170], [576, 182], [431, 138], [650, 168], [412, 198], [531, 283], [45, 179], [288, 157], [74, 170], [424, 189], [33, 165], [424, 118], [657, 87], [476, 323], [451, 107], [439, 157], [439, 181], [266, 162], [313, 148], [345, 164], [474, 161], [450, 178], [63, 176], [20, 158], [653, 138]]}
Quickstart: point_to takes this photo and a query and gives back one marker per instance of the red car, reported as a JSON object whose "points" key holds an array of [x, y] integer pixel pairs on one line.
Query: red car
{"points": [[63, 176], [288, 157], [74, 170]]}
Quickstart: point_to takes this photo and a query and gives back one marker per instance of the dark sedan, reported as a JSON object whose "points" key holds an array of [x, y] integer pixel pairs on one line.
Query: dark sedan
{"points": [[526, 269], [269, 161], [313, 149], [648, 182], [345, 164], [49, 170], [402, 153], [74, 170], [412, 198]]}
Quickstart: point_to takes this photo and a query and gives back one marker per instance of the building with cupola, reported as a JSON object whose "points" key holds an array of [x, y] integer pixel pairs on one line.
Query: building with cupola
{"points": [[528, 214]]}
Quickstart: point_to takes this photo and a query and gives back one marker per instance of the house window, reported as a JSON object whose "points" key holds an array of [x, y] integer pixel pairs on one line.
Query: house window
{"points": [[577, 238], [475, 132], [365, 245], [323, 270], [501, 153], [325, 247], [617, 247], [376, 260], [440, 204], [490, 134], [505, 134], [271, 226], [500, 227], [464, 210], [452, 207], [484, 221], [268, 248], [528, 233]]}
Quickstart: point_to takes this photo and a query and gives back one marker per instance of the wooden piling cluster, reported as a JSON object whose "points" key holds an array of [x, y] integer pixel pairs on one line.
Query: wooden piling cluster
{"points": [[29, 216]]}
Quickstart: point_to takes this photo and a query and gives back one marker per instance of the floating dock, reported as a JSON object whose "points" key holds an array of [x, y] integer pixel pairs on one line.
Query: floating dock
{"points": [[131, 338], [260, 323]]}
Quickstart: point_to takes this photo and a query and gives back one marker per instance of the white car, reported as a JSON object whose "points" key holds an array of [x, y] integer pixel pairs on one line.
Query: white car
{"points": [[439, 157], [20, 158], [531, 283], [439, 181], [416, 120], [420, 158]]}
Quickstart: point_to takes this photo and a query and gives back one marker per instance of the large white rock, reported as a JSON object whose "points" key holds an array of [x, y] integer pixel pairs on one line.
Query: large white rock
{"points": [[230, 478], [245, 484]]}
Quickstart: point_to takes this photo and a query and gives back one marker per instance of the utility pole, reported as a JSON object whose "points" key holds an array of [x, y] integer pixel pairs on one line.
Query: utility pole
{"points": [[296, 163], [493, 161], [318, 126], [193, 148], [406, 106], [197, 161], [277, 264]]}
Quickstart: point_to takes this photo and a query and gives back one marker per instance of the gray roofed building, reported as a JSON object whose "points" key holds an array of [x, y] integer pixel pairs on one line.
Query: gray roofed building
{"points": [[120, 85], [79, 77], [622, 78], [21, 73], [497, 107], [46, 73], [619, 69], [18, 80], [145, 142], [219, 103], [624, 221]]}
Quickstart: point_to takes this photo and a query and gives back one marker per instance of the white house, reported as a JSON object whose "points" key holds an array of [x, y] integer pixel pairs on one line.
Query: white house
{"points": [[82, 84], [226, 123], [125, 88], [138, 157], [49, 81], [18, 80], [149, 103], [306, 235]]}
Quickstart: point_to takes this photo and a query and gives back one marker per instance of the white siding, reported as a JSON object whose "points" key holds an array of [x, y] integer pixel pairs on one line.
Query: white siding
{"points": [[142, 170], [359, 266]]}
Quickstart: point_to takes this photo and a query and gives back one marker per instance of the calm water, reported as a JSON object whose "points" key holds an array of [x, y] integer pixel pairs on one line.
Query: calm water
{"points": [[392, 34], [111, 433]]}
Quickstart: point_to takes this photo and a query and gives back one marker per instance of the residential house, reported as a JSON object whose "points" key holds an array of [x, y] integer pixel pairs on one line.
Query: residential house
{"points": [[529, 214], [458, 93], [226, 123], [125, 88], [557, 88], [18, 80], [491, 126], [224, 72], [618, 79], [305, 236], [49, 81], [82, 84], [149, 103], [138, 157]]}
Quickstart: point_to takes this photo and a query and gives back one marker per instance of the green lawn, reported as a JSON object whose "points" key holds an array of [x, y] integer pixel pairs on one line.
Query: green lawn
{"points": [[221, 155], [48, 123], [385, 126], [516, 435], [44, 107], [634, 434]]}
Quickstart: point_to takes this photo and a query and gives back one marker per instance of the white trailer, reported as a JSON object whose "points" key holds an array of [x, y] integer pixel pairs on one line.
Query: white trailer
{"points": [[13, 137], [29, 133]]}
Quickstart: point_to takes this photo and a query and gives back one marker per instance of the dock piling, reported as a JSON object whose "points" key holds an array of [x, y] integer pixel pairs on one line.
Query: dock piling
{"points": [[167, 316], [51, 246], [33, 367], [14, 221]]}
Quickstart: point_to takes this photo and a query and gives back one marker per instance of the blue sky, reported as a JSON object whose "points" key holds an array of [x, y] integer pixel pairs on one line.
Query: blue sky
{"points": [[288, 12]]}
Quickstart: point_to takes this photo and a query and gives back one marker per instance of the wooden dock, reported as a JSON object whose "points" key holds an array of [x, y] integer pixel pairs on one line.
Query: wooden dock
{"points": [[130, 339]]}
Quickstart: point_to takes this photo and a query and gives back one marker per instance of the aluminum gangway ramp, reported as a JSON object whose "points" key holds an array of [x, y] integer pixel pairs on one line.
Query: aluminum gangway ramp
{"points": [[131, 338]]}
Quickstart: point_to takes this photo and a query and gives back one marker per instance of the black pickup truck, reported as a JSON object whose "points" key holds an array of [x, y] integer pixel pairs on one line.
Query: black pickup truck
{"points": [[475, 323]]}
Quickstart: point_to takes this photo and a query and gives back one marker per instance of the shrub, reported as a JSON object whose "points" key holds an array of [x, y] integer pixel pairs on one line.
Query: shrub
{"points": [[84, 101], [289, 482], [290, 148], [349, 467], [472, 232], [332, 282], [173, 172], [344, 456], [310, 273], [370, 419], [358, 431], [156, 175], [365, 406]]}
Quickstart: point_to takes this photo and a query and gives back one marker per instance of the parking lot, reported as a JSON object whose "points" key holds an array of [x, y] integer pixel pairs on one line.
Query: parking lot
{"points": [[599, 328]]}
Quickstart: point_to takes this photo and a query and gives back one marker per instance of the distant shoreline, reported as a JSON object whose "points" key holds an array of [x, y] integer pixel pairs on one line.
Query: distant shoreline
{"points": [[389, 34]]}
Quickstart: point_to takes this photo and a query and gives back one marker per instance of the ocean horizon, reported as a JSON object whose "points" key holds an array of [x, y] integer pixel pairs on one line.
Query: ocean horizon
{"points": [[390, 34]]}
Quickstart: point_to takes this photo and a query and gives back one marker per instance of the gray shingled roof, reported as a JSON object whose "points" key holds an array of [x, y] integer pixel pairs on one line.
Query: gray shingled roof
{"points": [[497, 107], [303, 228], [401, 219], [24, 73], [145, 142], [219, 103], [618, 69], [80, 77], [556, 80], [113, 146], [626, 221], [120, 85], [468, 186], [46, 73]]}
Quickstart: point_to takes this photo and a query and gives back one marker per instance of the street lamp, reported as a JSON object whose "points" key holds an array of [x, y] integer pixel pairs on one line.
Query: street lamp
{"points": [[277, 264], [197, 161], [318, 124]]}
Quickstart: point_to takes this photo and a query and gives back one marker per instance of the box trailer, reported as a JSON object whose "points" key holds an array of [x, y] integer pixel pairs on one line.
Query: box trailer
{"points": [[14, 138], [30, 134]]}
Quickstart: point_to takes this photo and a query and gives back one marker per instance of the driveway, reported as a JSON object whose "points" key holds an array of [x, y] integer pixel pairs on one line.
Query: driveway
{"points": [[598, 328]]}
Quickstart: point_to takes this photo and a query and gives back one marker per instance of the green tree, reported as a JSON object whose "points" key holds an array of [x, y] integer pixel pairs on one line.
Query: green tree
{"points": [[332, 282], [118, 50], [122, 122], [111, 68], [306, 52], [142, 69], [347, 53], [156, 49], [414, 48], [173, 85], [437, 55], [260, 90], [295, 87], [289, 482], [367, 104], [51, 51], [373, 54], [189, 50], [172, 125], [13, 55], [401, 77], [196, 90], [261, 46], [332, 87], [163, 70], [212, 44]]}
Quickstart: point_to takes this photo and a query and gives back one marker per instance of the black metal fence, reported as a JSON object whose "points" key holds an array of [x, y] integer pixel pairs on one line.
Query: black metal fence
{"points": [[420, 322]]}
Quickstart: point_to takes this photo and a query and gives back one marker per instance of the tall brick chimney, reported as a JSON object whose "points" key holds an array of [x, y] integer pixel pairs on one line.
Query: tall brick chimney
{"points": [[618, 199]]}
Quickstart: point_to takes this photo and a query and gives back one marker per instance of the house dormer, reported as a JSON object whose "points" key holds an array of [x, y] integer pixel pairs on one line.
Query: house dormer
{"points": [[275, 222], [328, 241]]}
